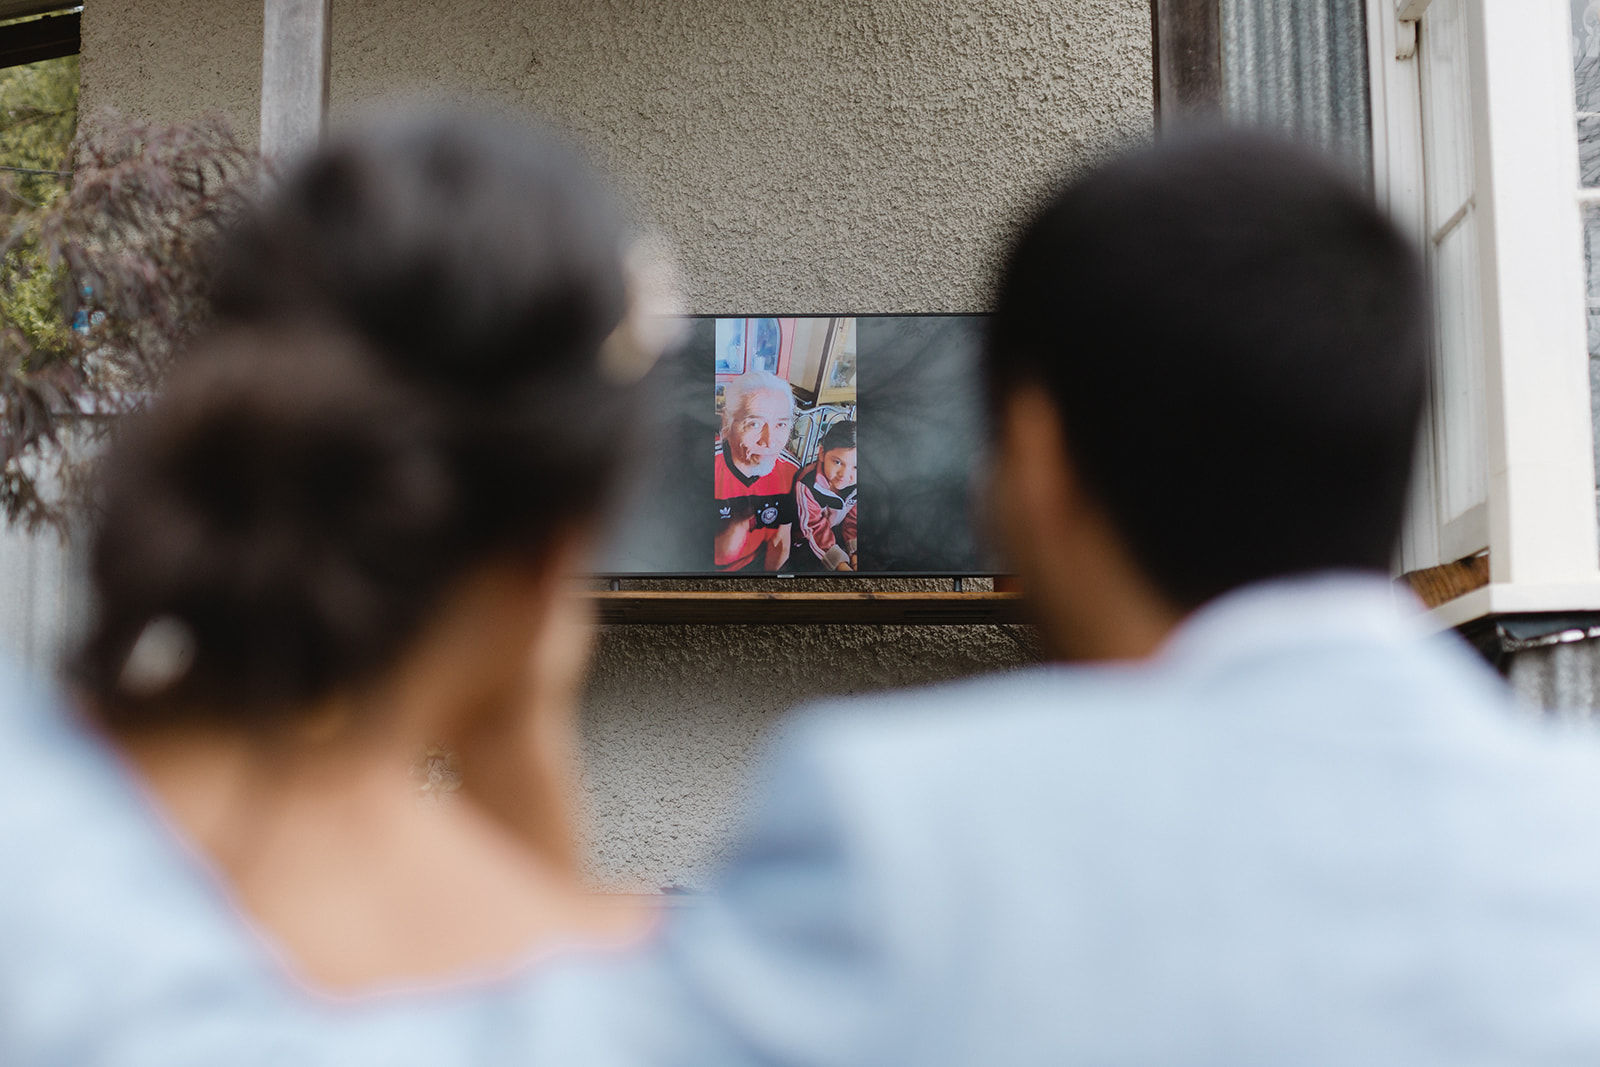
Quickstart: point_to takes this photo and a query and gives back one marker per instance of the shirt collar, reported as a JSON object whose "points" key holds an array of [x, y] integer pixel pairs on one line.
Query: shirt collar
{"points": [[746, 480], [1343, 607], [813, 478]]}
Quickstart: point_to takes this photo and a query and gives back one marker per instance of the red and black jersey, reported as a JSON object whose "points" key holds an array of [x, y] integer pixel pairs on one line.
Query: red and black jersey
{"points": [[762, 506]]}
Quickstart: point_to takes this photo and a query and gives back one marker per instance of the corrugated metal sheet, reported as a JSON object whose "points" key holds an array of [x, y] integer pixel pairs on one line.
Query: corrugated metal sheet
{"points": [[42, 598], [1300, 65]]}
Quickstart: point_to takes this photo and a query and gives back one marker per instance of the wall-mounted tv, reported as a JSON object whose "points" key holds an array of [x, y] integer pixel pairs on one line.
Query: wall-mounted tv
{"points": [[810, 445]]}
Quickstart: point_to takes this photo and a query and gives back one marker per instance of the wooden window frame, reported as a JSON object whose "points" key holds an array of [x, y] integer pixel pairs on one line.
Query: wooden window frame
{"points": [[1539, 515]]}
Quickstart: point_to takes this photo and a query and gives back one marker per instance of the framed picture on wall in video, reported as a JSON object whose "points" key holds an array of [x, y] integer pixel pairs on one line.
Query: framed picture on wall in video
{"points": [[810, 445]]}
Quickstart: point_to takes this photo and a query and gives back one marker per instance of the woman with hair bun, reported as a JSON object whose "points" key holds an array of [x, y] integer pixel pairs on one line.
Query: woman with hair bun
{"points": [[336, 637]]}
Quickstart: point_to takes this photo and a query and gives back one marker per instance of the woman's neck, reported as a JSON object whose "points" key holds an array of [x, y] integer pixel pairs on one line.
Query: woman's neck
{"points": [[358, 874], [321, 825]]}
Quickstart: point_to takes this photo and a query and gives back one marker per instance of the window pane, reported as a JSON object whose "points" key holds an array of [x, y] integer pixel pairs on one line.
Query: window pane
{"points": [[1446, 111], [1586, 89], [730, 346], [1458, 373], [1586, 83], [764, 345], [1591, 261]]}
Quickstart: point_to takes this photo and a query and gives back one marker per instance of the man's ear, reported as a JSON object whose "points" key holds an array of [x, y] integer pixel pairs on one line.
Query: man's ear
{"points": [[1089, 595], [1036, 471]]}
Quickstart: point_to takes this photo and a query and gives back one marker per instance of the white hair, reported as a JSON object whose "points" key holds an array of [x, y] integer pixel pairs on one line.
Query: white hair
{"points": [[742, 388]]}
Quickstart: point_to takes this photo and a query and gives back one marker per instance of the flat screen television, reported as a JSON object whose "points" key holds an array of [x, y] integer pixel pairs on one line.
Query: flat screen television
{"points": [[809, 445]]}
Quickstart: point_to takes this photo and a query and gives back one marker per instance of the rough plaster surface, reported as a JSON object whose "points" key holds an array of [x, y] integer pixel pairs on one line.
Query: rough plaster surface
{"points": [[812, 156], [675, 715], [173, 59]]}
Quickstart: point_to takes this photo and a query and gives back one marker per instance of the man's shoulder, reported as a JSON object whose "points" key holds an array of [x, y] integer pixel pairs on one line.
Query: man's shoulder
{"points": [[1363, 803], [1116, 732], [1010, 712]]}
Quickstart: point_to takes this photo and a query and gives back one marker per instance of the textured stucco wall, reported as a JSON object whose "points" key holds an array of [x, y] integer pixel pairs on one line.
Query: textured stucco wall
{"points": [[883, 146], [675, 714], [801, 156]]}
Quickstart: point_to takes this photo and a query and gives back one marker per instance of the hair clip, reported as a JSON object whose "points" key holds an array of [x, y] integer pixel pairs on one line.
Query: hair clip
{"points": [[160, 656]]}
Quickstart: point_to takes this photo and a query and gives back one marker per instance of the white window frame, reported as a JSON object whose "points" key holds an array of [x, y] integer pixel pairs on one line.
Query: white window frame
{"points": [[1538, 520]]}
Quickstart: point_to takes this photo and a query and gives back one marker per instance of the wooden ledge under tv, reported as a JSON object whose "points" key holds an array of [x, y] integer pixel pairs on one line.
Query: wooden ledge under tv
{"points": [[715, 607]]}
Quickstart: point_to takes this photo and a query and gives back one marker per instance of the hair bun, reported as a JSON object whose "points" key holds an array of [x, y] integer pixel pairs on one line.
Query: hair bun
{"points": [[287, 502], [450, 243], [416, 378]]}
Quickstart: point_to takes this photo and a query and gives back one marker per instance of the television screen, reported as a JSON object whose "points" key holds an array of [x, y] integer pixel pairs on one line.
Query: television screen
{"points": [[797, 445]]}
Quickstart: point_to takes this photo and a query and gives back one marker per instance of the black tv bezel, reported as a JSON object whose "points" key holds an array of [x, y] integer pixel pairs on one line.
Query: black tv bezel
{"points": [[803, 576]]}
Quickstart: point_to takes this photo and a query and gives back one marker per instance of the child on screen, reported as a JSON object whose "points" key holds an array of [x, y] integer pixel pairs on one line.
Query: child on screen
{"points": [[825, 502]]}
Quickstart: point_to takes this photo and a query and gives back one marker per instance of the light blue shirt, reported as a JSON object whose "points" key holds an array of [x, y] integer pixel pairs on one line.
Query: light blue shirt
{"points": [[119, 948], [1304, 833]]}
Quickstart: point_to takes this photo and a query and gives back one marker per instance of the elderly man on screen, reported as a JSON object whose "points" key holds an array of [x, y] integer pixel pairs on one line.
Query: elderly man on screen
{"points": [[754, 476]]}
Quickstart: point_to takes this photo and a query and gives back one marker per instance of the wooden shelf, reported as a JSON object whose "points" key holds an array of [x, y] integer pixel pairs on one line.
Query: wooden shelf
{"points": [[877, 609]]}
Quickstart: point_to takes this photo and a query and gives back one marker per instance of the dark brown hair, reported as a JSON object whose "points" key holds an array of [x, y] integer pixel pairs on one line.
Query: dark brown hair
{"points": [[1235, 339], [409, 382], [841, 434]]}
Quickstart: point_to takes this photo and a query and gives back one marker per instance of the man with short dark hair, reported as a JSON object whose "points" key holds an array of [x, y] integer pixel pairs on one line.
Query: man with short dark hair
{"points": [[1253, 813]]}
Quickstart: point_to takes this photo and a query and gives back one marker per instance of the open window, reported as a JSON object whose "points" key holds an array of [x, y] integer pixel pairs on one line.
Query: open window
{"points": [[1474, 152]]}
